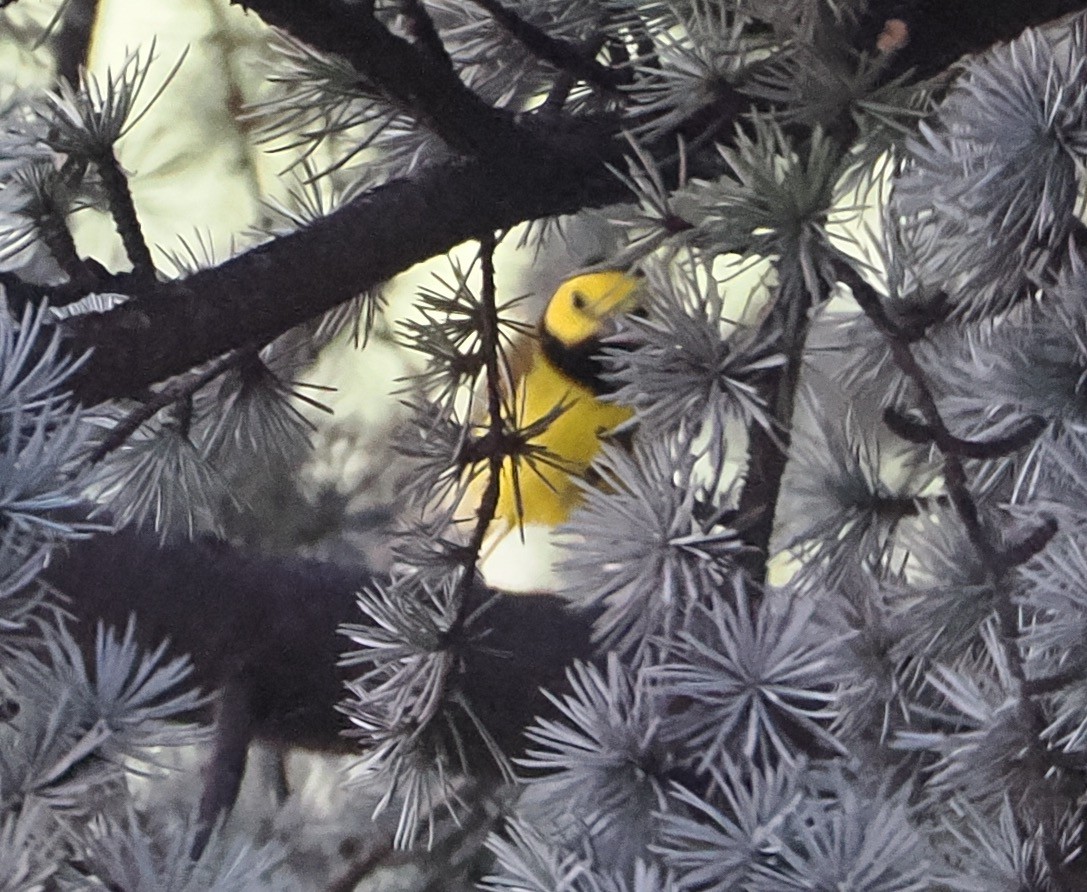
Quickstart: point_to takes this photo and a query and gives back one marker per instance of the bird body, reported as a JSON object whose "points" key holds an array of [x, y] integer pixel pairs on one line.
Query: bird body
{"points": [[545, 489], [565, 376]]}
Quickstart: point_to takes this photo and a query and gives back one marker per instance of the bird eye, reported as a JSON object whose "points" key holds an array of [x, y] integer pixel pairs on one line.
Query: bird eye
{"points": [[579, 300]]}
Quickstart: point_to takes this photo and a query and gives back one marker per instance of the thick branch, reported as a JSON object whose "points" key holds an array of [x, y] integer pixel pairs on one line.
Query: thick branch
{"points": [[258, 295], [420, 83], [268, 628], [564, 55]]}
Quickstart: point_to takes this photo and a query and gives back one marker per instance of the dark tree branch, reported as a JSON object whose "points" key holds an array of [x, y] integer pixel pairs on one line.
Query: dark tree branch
{"points": [[996, 560], [768, 453], [563, 54], [262, 293], [902, 354], [421, 27], [73, 37], [1051, 684], [57, 237], [223, 775], [93, 278], [125, 218], [258, 295], [265, 630], [419, 83], [1025, 432], [178, 389], [1018, 552], [489, 347]]}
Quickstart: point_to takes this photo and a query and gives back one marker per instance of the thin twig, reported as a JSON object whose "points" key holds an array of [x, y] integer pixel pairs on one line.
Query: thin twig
{"points": [[558, 94], [993, 447], [123, 211], [58, 240], [902, 354], [384, 854], [178, 389], [421, 27], [413, 80], [768, 450], [995, 561], [490, 348], [563, 54], [564, 83]]}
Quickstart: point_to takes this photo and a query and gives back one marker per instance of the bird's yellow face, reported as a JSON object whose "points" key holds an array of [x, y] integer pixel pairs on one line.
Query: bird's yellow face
{"points": [[582, 305]]}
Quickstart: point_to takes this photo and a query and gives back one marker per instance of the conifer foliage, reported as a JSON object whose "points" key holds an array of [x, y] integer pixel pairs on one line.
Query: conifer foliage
{"points": [[822, 622]]}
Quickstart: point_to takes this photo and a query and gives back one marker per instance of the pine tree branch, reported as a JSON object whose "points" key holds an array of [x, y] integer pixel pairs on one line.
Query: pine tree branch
{"points": [[490, 348], [417, 81], [179, 388], [73, 37], [268, 290], [258, 295], [421, 27], [998, 560], [223, 776], [58, 240], [267, 627], [125, 218], [565, 56], [954, 471], [914, 431], [768, 453]]}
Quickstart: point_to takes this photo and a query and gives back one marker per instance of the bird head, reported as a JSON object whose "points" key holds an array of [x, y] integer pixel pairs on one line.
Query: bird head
{"points": [[580, 315], [585, 305]]}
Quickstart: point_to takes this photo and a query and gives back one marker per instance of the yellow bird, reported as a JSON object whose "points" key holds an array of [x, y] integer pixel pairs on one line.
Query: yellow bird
{"points": [[566, 371]]}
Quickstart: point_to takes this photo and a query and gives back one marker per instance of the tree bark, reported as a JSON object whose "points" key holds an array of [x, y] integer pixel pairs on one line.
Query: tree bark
{"points": [[263, 292]]}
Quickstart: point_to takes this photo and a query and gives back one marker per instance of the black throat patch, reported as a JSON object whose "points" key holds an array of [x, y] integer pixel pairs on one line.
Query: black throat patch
{"points": [[582, 363]]}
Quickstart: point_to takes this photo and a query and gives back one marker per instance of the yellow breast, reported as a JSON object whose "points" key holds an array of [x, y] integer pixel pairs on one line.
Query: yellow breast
{"points": [[546, 488]]}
